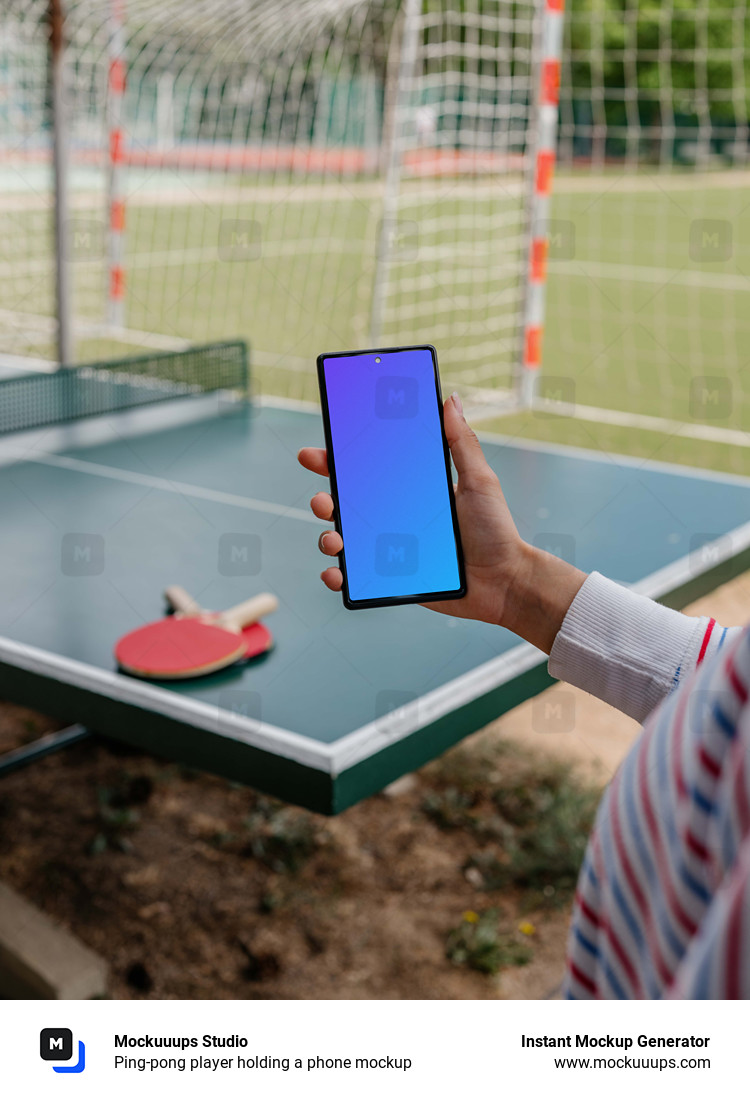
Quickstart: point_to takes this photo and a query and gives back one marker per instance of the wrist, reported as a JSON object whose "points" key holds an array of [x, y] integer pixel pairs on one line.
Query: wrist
{"points": [[519, 588], [542, 589]]}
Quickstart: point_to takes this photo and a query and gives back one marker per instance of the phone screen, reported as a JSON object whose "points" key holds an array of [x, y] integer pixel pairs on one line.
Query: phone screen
{"points": [[390, 476]]}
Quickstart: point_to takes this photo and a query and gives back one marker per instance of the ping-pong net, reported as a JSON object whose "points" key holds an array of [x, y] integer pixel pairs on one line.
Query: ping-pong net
{"points": [[34, 400]]}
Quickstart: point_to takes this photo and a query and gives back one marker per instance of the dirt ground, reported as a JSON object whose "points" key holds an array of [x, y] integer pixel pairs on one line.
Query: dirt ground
{"points": [[192, 887]]}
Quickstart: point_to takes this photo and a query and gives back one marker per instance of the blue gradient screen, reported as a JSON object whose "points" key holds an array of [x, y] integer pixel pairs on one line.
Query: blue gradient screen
{"points": [[393, 492]]}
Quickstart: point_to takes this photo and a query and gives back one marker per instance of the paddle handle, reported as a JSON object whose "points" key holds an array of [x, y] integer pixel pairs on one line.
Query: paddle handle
{"points": [[182, 601], [235, 618]]}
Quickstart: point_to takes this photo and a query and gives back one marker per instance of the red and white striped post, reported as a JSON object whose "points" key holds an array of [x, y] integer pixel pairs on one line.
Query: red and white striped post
{"points": [[544, 154], [116, 151], [60, 159]]}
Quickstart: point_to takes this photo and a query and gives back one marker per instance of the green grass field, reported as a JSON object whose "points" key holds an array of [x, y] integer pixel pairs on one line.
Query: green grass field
{"points": [[648, 309]]}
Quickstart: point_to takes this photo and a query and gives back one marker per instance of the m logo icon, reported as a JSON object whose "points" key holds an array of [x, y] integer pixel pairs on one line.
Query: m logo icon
{"points": [[710, 240], [396, 398], [56, 1044], [396, 555]]}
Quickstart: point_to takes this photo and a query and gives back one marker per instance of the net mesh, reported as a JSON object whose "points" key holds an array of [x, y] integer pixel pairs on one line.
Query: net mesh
{"points": [[308, 174], [314, 175], [35, 400], [648, 263]]}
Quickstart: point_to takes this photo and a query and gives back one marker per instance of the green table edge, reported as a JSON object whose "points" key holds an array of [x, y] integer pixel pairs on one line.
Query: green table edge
{"points": [[220, 755], [371, 775], [279, 776]]}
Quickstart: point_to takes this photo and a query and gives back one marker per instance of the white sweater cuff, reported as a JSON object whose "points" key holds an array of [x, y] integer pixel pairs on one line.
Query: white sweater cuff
{"points": [[625, 648]]}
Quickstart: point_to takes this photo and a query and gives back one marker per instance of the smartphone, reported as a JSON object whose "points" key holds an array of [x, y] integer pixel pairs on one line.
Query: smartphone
{"points": [[390, 474]]}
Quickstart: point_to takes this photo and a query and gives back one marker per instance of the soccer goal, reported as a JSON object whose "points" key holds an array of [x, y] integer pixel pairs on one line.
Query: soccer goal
{"points": [[322, 174], [309, 174]]}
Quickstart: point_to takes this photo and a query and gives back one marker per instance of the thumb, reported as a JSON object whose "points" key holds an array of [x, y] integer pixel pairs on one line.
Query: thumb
{"points": [[466, 449]]}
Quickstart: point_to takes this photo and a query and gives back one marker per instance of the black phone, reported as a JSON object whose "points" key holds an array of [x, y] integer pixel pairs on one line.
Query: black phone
{"points": [[390, 474]]}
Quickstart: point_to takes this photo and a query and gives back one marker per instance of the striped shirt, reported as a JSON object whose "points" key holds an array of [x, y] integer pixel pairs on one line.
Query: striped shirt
{"points": [[662, 907]]}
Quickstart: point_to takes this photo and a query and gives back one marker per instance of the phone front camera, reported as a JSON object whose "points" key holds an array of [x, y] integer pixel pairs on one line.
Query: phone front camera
{"points": [[377, 358]]}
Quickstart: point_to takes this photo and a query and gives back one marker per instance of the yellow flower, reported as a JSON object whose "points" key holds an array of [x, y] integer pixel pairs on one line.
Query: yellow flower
{"points": [[471, 916], [527, 928]]}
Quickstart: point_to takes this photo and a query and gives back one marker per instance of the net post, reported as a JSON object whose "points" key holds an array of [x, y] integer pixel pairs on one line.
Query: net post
{"points": [[115, 157], [391, 160], [56, 23], [548, 98], [245, 356]]}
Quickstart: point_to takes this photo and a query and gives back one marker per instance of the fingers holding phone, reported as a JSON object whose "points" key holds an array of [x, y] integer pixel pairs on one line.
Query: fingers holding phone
{"points": [[391, 499], [382, 413], [329, 542], [508, 581], [314, 459]]}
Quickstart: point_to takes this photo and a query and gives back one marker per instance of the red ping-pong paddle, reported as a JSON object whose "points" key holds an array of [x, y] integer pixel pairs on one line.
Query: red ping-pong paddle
{"points": [[257, 637], [182, 646]]}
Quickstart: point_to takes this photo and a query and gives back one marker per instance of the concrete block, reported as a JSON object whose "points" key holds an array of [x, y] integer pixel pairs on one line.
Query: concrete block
{"points": [[41, 960]]}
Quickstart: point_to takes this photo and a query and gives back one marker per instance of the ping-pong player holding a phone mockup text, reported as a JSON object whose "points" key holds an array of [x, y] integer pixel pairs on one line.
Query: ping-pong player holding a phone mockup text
{"points": [[664, 890]]}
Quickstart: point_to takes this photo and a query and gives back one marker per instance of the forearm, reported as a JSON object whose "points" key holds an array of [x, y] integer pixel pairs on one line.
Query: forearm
{"points": [[538, 600], [613, 643], [627, 649]]}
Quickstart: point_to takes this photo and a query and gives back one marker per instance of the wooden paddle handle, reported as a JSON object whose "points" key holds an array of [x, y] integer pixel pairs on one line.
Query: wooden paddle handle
{"points": [[235, 618], [182, 601]]}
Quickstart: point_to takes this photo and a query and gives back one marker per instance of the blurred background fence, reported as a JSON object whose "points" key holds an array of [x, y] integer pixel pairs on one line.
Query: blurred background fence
{"points": [[321, 174]]}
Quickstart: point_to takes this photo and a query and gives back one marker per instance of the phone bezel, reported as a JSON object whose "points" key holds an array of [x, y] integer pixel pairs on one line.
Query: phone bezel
{"points": [[390, 601]]}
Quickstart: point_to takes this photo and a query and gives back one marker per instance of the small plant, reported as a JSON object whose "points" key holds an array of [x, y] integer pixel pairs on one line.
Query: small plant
{"points": [[518, 800], [495, 875], [479, 943], [530, 816], [470, 767], [129, 789], [112, 835], [116, 814], [269, 903], [281, 838], [546, 853], [222, 839], [449, 808]]}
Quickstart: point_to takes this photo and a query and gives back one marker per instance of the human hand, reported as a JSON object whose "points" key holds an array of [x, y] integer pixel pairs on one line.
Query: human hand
{"points": [[508, 582]]}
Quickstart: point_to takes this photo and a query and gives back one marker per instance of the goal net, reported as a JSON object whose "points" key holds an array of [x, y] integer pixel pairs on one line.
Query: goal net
{"points": [[311, 175], [323, 174], [647, 315]]}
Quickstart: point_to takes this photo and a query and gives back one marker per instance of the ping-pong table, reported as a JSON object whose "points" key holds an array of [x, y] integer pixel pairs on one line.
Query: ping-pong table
{"points": [[174, 476]]}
